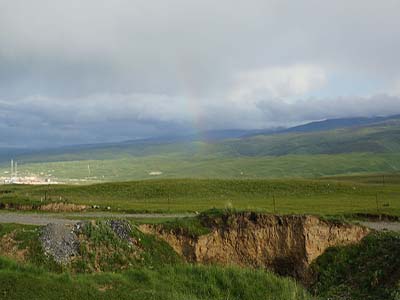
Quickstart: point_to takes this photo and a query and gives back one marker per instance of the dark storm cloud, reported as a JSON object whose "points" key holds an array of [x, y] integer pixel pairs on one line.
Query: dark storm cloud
{"points": [[76, 71]]}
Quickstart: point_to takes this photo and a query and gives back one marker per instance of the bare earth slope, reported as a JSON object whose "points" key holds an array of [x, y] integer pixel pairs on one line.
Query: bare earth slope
{"points": [[284, 244]]}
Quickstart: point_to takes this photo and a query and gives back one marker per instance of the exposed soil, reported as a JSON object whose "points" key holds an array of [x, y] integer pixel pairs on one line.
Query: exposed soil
{"points": [[9, 247], [284, 244], [50, 207], [62, 207]]}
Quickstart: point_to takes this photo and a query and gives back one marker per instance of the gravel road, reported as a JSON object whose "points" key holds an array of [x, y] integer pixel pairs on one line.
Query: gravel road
{"points": [[46, 218], [63, 218], [380, 226]]}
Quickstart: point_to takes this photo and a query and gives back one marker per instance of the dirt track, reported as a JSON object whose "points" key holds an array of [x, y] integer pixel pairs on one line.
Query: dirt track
{"points": [[44, 218], [65, 218], [380, 226]]}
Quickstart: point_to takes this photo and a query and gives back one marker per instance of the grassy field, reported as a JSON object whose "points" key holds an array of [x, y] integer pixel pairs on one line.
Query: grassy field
{"points": [[211, 166], [361, 149], [333, 196], [114, 270], [340, 169]]}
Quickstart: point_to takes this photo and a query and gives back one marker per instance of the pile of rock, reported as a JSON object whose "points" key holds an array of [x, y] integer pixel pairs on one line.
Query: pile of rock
{"points": [[60, 242], [121, 228]]}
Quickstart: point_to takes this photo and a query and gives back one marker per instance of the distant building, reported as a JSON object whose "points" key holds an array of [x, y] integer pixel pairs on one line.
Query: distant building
{"points": [[155, 173]]}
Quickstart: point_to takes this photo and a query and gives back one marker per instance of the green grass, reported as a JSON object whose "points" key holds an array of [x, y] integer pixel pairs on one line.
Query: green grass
{"points": [[184, 282], [102, 250], [366, 149], [189, 226], [156, 272], [220, 165], [320, 197], [381, 179], [366, 271], [8, 228], [26, 238]]}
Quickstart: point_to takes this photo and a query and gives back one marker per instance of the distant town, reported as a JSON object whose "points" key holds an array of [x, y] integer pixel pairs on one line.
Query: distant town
{"points": [[14, 178]]}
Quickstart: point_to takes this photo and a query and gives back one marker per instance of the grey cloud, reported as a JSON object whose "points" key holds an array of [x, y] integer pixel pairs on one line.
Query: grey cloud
{"points": [[172, 46], [98, 70], [42, 121], [279, 111]]}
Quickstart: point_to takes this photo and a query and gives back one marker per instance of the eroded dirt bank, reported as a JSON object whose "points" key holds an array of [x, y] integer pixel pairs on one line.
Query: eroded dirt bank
{"points": [[50, 207], [285, 244]]}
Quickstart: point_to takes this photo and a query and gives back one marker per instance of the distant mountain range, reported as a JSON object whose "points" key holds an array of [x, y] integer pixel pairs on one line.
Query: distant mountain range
{"points": [[306, 138], [339, 123], [372, 143]]}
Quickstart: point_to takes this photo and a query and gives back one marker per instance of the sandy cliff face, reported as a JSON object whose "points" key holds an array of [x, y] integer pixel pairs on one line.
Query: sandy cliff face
{"points": [[284, 244]]}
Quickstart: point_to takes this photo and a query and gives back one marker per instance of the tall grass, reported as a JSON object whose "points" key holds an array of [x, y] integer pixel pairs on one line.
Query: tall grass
{"points": [[369, 270], [180, 282]]}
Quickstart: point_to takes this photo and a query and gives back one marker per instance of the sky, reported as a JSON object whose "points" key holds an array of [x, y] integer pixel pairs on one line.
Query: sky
{"points": [[74, 71]]}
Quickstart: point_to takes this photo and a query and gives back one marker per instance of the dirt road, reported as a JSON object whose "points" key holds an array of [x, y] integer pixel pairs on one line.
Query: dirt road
{"points": [[380, 226], [72, 218], [45, 218]]}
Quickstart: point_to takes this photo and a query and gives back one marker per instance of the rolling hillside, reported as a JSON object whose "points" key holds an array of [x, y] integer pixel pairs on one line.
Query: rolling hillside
{"points": [[382, 137], [358, 145]]}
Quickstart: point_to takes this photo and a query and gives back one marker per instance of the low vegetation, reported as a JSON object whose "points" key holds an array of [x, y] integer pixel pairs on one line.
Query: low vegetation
{"points": [[367, 148], [323, 197], [102, 250], [142, 267], [190, 226], [222, 166], [163, 283], [369, 270]]}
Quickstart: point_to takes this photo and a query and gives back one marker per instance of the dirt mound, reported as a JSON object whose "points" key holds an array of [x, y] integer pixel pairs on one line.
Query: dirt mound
{"points": [[90, 245], [284, 244]]}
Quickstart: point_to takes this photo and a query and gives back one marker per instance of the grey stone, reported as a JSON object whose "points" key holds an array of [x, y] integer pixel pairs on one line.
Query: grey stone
{"points": [[60, 242], [121, 228]]}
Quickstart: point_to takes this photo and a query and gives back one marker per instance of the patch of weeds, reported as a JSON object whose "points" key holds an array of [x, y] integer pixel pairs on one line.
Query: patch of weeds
{"points": [[25, 236], [335, 219], [25, 246], [222, 218], [10, 227], [191, 226], [102, 250], [168, 282], [155, 251], [369, 270], [37, 257], [215, 213]]}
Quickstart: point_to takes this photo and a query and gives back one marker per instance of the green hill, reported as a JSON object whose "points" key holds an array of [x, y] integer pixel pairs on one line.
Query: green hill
{"points": [[367, 148]]}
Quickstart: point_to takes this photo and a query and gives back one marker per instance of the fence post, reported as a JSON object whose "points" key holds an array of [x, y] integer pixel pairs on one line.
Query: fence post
{"points": [[274, 202]]}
